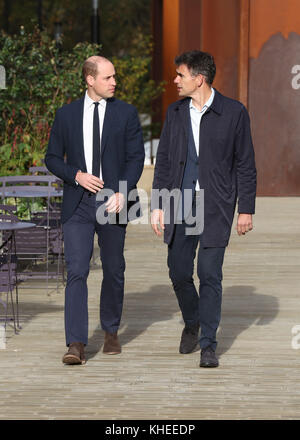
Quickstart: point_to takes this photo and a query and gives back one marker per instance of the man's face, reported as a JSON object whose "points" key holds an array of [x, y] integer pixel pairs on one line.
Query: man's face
{"points": [[187, 84], [105, 82]]}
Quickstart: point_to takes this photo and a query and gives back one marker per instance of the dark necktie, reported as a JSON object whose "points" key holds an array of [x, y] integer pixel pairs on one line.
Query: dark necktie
{"points": [[96, 142]]}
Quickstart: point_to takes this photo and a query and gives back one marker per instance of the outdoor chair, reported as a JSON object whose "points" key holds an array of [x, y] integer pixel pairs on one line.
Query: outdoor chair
{"points": [[42, 170], [8, 267], [41, 246], [30, 187], [43, 242], [51, 222], [7, 285]]}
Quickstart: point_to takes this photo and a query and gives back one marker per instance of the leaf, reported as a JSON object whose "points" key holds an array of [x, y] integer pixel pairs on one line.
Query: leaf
{"points": [[41, 78]]}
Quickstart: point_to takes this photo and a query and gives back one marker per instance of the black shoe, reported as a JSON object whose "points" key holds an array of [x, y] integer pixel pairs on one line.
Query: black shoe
{"points": [[189, 339], [208, 358]]}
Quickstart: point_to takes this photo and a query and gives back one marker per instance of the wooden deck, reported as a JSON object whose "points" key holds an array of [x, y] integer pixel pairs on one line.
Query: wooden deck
{"points": [[258, 377]]}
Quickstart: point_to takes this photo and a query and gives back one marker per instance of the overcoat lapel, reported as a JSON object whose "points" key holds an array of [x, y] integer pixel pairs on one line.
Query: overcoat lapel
{"points": [[183, 109]]}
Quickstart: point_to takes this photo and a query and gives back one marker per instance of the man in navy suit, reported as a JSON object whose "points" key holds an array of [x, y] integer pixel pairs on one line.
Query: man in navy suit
{"points": [[96, 147], [206, 153]]}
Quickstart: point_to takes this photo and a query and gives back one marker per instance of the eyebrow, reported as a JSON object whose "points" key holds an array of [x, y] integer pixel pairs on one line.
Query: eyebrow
{"points": [[179, 74]]}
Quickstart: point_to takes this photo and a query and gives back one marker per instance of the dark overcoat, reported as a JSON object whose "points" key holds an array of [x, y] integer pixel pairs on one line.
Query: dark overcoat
{"points": [[227, 171]]}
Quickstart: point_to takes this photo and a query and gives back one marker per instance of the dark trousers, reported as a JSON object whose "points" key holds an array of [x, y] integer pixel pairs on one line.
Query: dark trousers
{"points": [[79, 233], [203, 308]]}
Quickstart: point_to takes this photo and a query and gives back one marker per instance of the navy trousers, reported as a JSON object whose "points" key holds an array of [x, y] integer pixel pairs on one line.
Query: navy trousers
{"points": [[203, 308], [79, 232]]}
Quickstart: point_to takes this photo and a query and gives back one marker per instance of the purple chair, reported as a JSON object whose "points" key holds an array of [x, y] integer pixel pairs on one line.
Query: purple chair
{"points": [[43, 243], [36, 170], [8, 267]]}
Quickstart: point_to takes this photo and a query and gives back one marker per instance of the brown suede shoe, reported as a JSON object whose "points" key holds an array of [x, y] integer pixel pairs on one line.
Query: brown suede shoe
{"points": [[75, 354], [111, 344]]}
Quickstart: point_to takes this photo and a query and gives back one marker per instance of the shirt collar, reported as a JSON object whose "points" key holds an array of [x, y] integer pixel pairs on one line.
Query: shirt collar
{"points": [[207, 104], [88, 102]]}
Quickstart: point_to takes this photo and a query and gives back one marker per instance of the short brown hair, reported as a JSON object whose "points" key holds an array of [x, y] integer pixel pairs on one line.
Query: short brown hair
{"points": [[89, 68]]}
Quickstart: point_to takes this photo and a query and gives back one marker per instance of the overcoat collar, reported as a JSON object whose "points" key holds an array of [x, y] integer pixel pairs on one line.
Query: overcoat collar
{"points": [[216, 106], [183, 109]]}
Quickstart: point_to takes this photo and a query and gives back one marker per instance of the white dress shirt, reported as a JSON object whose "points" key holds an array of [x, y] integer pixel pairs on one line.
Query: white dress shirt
{"points": [[88, 117], [196, 116]]}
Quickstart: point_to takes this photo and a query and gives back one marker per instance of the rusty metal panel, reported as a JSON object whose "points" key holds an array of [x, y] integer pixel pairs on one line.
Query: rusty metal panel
{"points": [[170, 49], [274, 105], [256, 49], [220, 37], [190, 25]]}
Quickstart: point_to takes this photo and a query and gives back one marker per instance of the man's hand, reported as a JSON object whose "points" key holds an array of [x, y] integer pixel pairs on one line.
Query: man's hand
{"points": [[157, 220], [244, 224], [115, 203], [89, 182]]}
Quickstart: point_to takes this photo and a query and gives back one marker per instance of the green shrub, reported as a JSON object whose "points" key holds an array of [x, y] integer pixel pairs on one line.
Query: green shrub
{"points": [[40, 78]]}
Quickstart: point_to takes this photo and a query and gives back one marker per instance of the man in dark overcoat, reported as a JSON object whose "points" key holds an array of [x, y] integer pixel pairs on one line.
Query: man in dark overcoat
{"points": [[206, 154]]}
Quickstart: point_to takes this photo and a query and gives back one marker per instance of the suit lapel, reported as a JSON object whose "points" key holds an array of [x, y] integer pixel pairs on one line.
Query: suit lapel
{"points": [[78, 123], [110, 122]]}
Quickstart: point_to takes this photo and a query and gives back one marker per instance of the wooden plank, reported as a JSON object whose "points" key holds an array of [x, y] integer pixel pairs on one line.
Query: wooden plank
{"points": [[258, 377]]}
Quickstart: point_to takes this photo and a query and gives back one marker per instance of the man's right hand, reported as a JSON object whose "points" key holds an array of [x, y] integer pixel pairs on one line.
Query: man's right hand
{"points": [[89, 182], [157, 220]]}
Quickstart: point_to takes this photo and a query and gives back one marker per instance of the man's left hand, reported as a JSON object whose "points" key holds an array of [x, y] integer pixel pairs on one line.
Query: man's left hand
{"points": [[115, 203], [244, 224]]}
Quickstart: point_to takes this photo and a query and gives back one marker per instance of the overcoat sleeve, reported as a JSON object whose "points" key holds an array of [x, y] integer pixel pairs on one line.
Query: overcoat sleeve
{"points": [[245, 162]]}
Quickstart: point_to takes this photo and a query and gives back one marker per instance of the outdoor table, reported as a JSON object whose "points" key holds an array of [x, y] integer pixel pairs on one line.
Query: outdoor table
{"points": [[14, 226]]}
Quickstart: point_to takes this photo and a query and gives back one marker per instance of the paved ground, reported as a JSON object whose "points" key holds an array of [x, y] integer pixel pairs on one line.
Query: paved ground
{"points": [[258, 377]]}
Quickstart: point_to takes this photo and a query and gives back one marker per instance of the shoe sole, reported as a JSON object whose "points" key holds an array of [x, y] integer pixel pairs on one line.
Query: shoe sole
{"points": [[209, 365], [72, 360], [111, 352], [196, 348]]}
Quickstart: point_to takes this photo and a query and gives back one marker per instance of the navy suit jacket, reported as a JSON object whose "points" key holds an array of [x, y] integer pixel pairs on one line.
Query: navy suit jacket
{"points": [[227, 169], [122, 149]]}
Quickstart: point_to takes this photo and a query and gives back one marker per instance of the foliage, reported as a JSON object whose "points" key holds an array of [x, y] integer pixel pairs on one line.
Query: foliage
{"points": [[120, 20], [133, 76], [40, 78]]}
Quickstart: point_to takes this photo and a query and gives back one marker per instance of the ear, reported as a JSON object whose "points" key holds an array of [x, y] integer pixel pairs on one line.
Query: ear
{"points": [[200, 80], [90, 80]]}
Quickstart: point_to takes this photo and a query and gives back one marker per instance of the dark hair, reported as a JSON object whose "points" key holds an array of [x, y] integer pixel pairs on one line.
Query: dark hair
{"points": [[198, 63]]}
